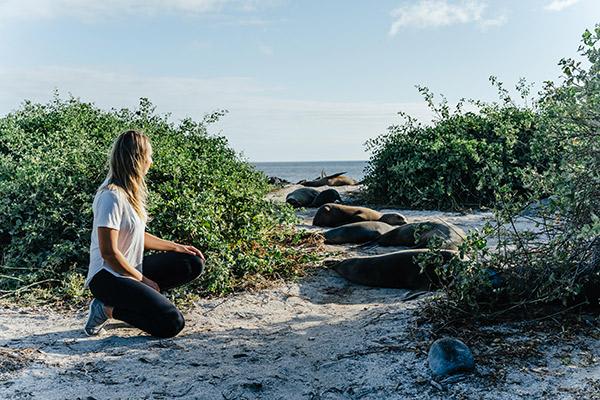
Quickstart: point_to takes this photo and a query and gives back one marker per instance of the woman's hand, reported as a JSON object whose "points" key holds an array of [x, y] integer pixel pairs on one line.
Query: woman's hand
{"points": [[150, 283], [181, 248]]}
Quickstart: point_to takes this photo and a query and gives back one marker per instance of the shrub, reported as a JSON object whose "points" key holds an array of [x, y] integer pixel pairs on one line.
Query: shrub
{"points": [[53, 158], [460, 161], [558, 262]]}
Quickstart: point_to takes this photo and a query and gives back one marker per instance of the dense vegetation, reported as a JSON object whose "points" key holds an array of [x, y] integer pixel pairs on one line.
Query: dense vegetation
{"points": [[53, 157], [463, 159], [557, 262]]}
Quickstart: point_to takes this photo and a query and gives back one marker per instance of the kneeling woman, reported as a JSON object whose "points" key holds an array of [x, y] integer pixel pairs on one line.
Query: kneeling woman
{"points": [[126, 285]]}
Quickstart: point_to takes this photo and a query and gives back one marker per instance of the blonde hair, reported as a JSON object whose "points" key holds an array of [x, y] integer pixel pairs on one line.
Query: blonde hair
{"points": [[126, 169]]}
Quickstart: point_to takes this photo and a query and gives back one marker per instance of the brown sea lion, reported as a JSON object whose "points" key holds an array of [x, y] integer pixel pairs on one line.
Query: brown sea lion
{"points": [[357, 232], [341, 180], [337, 214], [322, 181], [309, 197], [419, 234], [338, 179], [393, 270]]}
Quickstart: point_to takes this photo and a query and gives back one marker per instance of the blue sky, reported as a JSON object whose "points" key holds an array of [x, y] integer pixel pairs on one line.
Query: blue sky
{"points": [[302, 80]]}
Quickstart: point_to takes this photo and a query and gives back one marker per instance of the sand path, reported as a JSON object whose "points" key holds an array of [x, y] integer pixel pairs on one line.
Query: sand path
{"points": [[318, 338]]}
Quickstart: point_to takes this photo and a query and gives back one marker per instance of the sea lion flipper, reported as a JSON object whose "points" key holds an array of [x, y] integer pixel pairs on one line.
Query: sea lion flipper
{"points": [[331, 262], [335, 175], [368, 245]]}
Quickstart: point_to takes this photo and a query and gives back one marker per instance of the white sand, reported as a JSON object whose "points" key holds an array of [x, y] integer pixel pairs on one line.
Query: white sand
{"points": [[318, 338]]}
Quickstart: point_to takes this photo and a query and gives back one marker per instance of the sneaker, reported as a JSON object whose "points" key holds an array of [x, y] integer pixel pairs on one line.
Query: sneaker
{"points": [[96, 319]]}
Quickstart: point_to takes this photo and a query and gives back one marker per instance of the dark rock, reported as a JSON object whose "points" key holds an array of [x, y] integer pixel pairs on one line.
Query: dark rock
{"points": [[273, 180], [448, 356], [542, 206], [496, 279]]}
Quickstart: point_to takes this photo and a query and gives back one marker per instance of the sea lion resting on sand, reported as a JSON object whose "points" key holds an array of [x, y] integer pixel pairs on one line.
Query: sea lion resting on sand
{"points": [[332, 180], [393, 270], [337, 214], [357, 232], [308, 197], [341, 180], [418, 235]]}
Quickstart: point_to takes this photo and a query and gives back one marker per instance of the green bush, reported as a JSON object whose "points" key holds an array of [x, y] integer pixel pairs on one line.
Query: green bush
{"points": [[557, 263], [53, 157], [460, 161]]}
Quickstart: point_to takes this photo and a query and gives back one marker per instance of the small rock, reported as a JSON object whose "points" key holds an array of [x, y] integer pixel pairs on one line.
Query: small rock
{"points": [[496, 279], [436, 385], [274, 180], [253, 386], [448, 356], [539, 207]]}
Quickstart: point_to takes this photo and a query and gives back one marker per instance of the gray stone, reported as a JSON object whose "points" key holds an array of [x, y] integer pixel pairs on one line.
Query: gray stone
{"points": [[448, 356], [542, 206], [274, 180]]}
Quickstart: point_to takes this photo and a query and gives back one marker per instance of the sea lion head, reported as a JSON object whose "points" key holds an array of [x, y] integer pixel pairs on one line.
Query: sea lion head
{"points": [[393, 219], [294, 203], [327, 196]]}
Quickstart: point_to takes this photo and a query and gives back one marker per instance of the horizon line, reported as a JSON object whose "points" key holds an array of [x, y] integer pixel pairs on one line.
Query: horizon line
{"points": [[307, 161]]}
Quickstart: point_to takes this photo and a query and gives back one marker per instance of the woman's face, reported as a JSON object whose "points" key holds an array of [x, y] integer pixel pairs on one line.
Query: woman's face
{"points": [[148, 161]]}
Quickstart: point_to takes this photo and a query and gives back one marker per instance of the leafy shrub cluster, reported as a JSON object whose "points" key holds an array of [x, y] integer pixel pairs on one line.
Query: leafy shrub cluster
{"points": [[557, 262], [54, 156], [463, 159]]}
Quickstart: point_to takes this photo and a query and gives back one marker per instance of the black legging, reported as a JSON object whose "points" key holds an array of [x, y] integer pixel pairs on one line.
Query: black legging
{"points": [[140, 305]]}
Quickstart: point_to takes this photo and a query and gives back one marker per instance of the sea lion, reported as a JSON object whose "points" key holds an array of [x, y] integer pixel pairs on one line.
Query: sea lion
{"points": [[338, 179], [326, 196], [337, 214], [419, 234], [301, 197], [393, 270], [309, 197], [341, 180], [357, 232], [322, 181]]}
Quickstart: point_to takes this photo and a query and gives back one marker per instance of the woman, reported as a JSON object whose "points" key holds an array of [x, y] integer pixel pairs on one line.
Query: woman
{"points": [[125, 284]]}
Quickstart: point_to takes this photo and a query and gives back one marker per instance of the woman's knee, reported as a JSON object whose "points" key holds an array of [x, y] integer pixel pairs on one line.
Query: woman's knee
{"points": [[169, 324], [196, 266]]}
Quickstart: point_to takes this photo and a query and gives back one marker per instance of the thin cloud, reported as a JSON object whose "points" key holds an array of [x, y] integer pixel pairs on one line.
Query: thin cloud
{"points": [[559, 5], [439, 13], [493, 22], [91, 10]]}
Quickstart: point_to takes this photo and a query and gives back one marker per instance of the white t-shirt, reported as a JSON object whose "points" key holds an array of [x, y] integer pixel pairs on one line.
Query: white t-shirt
{"points": [[112, 210]]}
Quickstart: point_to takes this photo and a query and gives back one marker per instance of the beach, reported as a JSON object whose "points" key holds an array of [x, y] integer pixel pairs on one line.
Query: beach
{"points": [[319, 337]]}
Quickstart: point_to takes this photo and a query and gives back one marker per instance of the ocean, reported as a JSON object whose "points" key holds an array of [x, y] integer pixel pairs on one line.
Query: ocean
{"points": [[295, 171]]}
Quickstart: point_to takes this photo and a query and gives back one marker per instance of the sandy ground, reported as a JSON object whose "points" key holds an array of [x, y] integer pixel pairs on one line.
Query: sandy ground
{"points": [[318, 338]]}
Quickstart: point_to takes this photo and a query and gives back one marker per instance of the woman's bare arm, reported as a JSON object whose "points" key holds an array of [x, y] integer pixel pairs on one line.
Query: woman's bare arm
{"points": [[152, 242], [107, 241]]}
